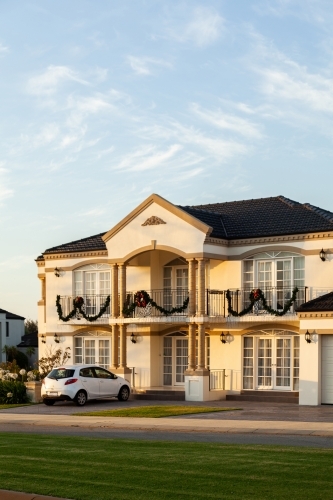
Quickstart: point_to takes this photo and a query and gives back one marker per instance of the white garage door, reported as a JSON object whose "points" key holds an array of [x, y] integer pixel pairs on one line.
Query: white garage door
{"points": [[327, 369]]}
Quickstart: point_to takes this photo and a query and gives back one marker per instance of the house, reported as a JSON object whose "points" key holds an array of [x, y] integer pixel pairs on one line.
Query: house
{"points": [[11, 331], [211, 301]]}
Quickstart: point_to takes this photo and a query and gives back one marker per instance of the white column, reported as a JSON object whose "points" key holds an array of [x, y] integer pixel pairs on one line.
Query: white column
{"points": [[114, 291], [114, 350], [191, 287], [201, 286], [122, 288]]}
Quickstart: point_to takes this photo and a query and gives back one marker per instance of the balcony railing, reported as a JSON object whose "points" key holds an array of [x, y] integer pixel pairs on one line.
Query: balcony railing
{"points": [[276, 298], [167, 298], [91, 306], [216, 301]]}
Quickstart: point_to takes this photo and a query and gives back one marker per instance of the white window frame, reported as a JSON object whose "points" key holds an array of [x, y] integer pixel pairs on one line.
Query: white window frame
{"points": [[80, 359]]}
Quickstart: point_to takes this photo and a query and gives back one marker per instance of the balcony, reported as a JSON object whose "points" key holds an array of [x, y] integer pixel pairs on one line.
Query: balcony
{"points": [[276, 298], [92, 305], [166, 298], [216, 302]]}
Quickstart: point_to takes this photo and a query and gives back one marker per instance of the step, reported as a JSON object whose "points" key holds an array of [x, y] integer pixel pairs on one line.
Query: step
{"points": [[159, 397], [261, 398], [287, 394]]}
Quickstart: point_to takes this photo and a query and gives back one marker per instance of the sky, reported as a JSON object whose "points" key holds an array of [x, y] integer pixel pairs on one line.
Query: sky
{"points": [[104, 102]]}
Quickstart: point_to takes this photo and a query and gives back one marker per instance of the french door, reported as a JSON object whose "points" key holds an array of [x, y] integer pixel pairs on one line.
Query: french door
{"points": [[274, 363], [274, 279], [175, 360]]}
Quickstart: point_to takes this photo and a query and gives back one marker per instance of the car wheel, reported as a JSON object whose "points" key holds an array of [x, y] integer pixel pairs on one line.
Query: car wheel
{"points": [[48, 402], [123, 393], [81, 398]]}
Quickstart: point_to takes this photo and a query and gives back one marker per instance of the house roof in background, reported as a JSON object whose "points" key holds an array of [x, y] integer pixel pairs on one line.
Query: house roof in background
{"points": [[323, 303], [10, 315], [262, 217], [29, 340]]}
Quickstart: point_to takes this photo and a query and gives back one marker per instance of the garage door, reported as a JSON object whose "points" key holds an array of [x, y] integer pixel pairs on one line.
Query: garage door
{"points": [[327, 369]]}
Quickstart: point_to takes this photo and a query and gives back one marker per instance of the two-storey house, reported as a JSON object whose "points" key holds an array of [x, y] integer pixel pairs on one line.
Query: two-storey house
{"points": [[202, 299]]}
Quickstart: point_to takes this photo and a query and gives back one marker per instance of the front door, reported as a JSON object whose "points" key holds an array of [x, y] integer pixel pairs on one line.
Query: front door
{"points": [[175, 360], [274, 363]]}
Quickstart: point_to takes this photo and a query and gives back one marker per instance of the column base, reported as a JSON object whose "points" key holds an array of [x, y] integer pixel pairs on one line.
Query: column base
{"points": [[124, 372], [197, 387]]}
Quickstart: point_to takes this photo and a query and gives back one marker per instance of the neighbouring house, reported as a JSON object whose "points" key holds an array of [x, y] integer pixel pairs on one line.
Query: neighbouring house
{"points": [[11, 331], [29, 346], [226, 300]]}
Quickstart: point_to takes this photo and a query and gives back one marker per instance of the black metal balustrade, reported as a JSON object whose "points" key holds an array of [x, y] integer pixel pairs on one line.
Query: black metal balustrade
{"points": [[276, 298], [167, 298], [216, 301], [92, 305]]}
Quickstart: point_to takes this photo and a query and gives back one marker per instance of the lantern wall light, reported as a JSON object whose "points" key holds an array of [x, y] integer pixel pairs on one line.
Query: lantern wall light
{"points": [[43, 339], [322, 255], [226, 338], [133, 338], [57, 272], [56, 338], [308, 337]]}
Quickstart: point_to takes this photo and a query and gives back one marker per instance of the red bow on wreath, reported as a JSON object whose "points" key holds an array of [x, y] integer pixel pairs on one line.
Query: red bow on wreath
{"points": [[78, 302], [141, 299], [256, 294]]}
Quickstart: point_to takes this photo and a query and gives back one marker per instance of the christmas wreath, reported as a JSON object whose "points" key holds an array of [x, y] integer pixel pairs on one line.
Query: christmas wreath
{"points": [[143, 299], [256, 295], [78, 310]]}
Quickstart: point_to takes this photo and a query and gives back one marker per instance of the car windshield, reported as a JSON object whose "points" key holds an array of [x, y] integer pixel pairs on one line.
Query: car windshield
{"points": [[58, 373]]}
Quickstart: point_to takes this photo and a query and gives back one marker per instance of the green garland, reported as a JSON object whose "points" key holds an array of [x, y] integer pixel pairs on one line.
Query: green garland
{"points": [[257, 295], [78, 303], [143, 299]]}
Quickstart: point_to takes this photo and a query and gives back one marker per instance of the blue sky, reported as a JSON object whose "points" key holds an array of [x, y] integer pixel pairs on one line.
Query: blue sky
{"points": [[104, 102]]}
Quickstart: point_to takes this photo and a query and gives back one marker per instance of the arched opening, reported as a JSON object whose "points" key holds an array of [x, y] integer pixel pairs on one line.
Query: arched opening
{"points": [[271, 360]]}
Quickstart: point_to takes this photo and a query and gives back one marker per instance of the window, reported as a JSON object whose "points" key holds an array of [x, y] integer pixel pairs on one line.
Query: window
{"points": [[93, 283], [276, 274], [7, 328], [175, 286], [92, 351]]}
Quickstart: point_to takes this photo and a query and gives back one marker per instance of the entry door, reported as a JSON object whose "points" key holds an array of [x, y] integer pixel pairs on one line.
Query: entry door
{"points": [[274, 363], [175, 360]]}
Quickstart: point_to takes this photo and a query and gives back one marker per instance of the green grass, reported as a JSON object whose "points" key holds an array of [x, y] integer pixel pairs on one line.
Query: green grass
{"points": [[114, 469], [6, 407], [153, 411]]}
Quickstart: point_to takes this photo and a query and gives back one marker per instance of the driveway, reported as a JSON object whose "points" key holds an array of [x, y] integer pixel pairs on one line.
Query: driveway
{"points": [[250, 411]]}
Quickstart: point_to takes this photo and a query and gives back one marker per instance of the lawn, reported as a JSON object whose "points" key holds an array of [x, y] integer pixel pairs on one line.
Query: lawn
{"points": [[7, 407], [154, 411], [114, 469]]}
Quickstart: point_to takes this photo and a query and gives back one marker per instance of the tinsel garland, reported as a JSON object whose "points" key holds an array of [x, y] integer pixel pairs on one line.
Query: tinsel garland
{"points": [[257, 295], [143, 299], [78, 303]]}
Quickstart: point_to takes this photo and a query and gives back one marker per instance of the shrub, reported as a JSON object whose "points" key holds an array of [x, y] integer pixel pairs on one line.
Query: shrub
{"points": [[13, 392]]}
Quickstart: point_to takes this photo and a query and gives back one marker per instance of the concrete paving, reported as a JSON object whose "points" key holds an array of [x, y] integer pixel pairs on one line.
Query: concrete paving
{"points": [[249, 411], [180, 424]]}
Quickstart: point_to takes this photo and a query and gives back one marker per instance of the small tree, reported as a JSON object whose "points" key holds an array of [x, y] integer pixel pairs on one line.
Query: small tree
{"points": [[30, 326], [53, 359]]}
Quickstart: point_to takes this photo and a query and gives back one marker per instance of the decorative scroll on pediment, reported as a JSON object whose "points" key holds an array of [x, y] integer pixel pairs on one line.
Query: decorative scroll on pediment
{"points": [[153, 221]]}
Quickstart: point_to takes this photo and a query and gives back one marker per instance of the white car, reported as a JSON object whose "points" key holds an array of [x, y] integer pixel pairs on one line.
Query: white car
{"points": [[80, 383]]}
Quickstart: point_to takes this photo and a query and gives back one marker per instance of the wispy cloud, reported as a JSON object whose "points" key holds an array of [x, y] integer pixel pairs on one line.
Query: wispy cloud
{"points": [[204, 27], [225, 121], [144, 65], [5, 191], [147, 158], [48, 82], [3, 49]]}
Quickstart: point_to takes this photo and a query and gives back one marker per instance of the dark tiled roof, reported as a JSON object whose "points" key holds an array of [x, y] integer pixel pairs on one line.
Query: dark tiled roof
{"points": [[83, 245], [323, 303], [262, 217], [10, 315], [29, 340]]}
